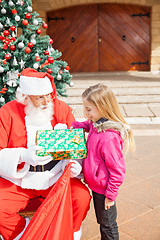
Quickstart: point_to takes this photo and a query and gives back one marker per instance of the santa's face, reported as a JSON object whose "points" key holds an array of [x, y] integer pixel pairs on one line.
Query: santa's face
{"points": [[41, 101], [39, 109]]}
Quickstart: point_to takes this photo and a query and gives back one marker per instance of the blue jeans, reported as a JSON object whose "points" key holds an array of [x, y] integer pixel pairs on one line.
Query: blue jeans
{"points": [[106, 218]]}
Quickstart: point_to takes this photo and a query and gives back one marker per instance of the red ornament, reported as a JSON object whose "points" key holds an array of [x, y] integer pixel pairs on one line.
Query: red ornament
{"points": [[25, 22], [37, 59], [7, 56], [12, 47], [49, 70], [6, 32], [60, 71], [50, 59], [22, 3], [28, 15], [14, 11], [67, 68], [38, 31], [27, 50], [12, 28], [51, 40], [4, 62], [46, 53], [30, 45], [45, 25]]}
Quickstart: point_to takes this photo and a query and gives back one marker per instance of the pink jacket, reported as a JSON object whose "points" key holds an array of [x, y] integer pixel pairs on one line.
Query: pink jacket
{"points": [[104, 167]]}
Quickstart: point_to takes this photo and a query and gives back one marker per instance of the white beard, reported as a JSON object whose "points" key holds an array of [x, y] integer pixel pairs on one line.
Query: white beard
{"points": [[39, 115]]}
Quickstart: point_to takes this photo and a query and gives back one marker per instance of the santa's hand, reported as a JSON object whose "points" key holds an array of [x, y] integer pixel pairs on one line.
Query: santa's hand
{"points": [[29, 156], [75, 168]]}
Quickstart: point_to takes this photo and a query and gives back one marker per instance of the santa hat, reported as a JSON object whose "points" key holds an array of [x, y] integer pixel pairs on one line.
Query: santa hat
{"points": [[36, 83]]}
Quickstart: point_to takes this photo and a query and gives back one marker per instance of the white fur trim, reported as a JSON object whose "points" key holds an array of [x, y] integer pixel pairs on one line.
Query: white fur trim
{"points": [[9, 160], [35, 86], [78, 234], [42, 180], [20, 235]]}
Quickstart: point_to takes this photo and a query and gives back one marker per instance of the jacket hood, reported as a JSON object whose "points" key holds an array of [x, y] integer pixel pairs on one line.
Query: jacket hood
{"points": [[122, 128]]}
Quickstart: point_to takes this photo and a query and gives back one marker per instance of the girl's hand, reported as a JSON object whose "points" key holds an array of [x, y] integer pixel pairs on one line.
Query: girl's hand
{"points": [[108, 204]]}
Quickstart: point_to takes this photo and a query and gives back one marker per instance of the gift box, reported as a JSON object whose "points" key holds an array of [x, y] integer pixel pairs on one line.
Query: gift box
{"points": [[62, 143]]}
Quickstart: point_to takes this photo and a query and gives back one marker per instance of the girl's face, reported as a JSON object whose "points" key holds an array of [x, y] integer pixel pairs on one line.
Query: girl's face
{"points": [[91, 111]]}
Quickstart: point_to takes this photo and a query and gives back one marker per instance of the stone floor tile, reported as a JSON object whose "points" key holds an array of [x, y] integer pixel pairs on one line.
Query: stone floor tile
{"points": [[128, 210], [144, 227], [145, 193], [138, 110]]}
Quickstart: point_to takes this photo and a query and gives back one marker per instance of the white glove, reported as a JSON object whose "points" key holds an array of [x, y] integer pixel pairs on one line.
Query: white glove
{"points": [[29, 156], [75, 167]]}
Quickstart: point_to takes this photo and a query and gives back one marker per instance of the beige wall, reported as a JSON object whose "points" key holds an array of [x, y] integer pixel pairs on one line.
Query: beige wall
{"points": [[42, 6]]}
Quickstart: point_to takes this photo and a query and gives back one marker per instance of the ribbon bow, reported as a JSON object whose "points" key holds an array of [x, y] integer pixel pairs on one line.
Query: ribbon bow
{"points": [[7, 41]]}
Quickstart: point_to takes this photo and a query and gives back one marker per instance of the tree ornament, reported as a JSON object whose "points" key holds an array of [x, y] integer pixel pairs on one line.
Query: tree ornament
{"points": [[12, 28], [28, 15], [3, 11], [71, 84], [59, 77], [8, 21], [67, 68], [1, 26], [10, 3], [60, 71], [50, 40], [29, 9], [4, 61], [45, 25], [49, 70], [14, 63], [38, 31], [20, 45], [33, 41], [25, 22], [22, 63], [2, 100], [14, 11], [35, 65], [1, 69], [7, 56], [35, 22], [19, 2], [27, 50], [30, 45], [6, 33], [17, 18], [50, 59], [12, 77], [46, 53], [12, 47], [37, 59]]}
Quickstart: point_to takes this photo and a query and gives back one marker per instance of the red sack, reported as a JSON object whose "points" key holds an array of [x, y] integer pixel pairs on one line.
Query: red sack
{"points": [[53, 220]]}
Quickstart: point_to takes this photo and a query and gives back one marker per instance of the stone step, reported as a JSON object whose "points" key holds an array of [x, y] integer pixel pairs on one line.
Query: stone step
{"points": [[124, 99], [118, 91]]}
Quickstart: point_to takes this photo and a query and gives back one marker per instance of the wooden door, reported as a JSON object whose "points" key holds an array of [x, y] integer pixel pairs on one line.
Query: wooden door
{"points": [[102, 37], [124, 37], [74, 32]]}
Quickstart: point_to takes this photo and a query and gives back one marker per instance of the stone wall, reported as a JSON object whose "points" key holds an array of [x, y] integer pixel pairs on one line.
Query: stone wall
{"points": [[42, 6]]}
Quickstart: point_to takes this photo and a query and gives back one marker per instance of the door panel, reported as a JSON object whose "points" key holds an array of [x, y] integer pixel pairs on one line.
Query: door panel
{"points": [[76, 37], [124, 39]]}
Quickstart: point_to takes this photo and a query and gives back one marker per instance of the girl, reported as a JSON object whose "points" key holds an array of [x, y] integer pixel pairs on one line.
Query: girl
{"points": [[104, 167]]}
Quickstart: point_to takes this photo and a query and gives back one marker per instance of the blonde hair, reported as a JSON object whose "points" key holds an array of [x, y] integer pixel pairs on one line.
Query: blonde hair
{"points": [[105, 101]]}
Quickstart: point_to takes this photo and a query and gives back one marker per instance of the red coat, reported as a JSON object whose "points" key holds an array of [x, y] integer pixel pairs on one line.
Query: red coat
{"points": [[13, 140]]}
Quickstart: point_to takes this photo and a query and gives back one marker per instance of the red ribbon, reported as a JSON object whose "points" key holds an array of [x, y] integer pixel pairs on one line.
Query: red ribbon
{"points": [[7, 41]]}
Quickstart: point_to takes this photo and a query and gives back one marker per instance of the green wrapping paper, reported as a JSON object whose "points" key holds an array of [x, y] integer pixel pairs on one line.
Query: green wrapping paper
{"points": [[62, 143]]}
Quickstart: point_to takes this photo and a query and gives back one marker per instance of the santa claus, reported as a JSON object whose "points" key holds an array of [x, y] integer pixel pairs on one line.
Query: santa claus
{"points": [[23, 174]]}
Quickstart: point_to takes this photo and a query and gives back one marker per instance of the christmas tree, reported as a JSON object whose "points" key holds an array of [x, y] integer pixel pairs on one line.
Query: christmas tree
{"points": [[21, 46]]}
